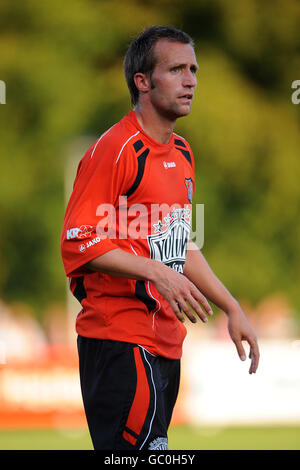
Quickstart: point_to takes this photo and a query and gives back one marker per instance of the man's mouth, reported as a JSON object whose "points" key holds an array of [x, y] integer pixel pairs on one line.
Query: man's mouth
{"points": [[187, 97]]}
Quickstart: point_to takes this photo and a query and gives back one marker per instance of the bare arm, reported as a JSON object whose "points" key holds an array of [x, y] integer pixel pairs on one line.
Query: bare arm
{"points": [[174, 287], [199, 272]]}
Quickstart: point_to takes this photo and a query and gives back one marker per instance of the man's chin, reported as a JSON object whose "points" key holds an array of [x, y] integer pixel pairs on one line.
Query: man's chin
{"points": [[176, 112], [181, 111], [184, 111]]}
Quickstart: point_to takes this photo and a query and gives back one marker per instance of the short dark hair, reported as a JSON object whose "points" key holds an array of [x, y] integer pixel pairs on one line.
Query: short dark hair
{"points": [[140, 58]]}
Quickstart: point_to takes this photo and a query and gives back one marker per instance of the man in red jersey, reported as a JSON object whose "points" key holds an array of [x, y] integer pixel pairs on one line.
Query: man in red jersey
{"points": [[126, 249]]}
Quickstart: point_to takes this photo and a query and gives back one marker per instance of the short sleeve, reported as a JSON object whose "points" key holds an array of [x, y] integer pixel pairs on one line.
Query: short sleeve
{"points": [[104, 174]]}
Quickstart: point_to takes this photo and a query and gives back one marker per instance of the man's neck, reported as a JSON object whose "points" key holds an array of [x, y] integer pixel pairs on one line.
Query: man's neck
{"points": [[156, 126]]}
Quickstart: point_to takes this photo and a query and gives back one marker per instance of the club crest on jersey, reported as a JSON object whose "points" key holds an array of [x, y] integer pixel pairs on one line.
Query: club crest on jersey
{"points": [[160, 443], [189, 187], [168, 243]]}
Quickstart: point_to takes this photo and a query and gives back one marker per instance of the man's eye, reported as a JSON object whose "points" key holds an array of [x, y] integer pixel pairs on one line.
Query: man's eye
{"points": [[175, 69]]}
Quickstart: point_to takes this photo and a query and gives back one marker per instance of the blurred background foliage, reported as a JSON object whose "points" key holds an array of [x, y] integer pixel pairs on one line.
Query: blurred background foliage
{"points": [[62, 65]]}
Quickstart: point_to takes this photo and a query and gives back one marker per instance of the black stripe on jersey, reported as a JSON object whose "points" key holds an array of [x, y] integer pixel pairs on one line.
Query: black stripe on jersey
{"points": [[140, 173], [180, 143], [142, 294], [134, 434], [138, 145], [187, 155], [79, 291]]}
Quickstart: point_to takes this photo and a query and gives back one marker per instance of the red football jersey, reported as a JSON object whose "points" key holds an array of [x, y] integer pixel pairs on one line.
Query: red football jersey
{"points": [[133, 193]]}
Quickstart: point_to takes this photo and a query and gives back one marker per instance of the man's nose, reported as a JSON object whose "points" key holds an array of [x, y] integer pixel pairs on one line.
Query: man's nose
{"points": [[189, 79]]}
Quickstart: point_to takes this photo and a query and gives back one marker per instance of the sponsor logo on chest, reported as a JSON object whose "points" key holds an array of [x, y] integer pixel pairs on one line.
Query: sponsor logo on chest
{"points": [[84, 231]]}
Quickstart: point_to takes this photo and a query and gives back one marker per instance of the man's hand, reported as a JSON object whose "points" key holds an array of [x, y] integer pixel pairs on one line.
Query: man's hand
{"points": [[179, 291], [176, 288], [199, 272], [240, 330]]}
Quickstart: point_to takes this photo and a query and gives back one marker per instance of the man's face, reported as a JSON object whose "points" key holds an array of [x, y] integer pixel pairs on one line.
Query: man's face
{"points": [[173, 79]]}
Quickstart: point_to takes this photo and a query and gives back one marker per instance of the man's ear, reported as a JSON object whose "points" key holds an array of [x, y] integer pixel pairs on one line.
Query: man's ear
{"points": [[142, 82]]}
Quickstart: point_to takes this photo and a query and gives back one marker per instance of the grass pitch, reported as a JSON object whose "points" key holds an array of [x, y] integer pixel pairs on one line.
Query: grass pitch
{"points": [[180, 438]]}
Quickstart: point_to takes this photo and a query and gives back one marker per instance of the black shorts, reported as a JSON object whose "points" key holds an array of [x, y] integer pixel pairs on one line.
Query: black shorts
{"points": [[128, 394]]}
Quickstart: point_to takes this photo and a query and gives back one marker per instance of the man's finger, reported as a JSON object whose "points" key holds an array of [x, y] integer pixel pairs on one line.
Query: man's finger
{"points": [[176, 309], [194, 304], [202, 300], [240, 349], [252, 366], [254, 363], [183, 305], [254, 356]]}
